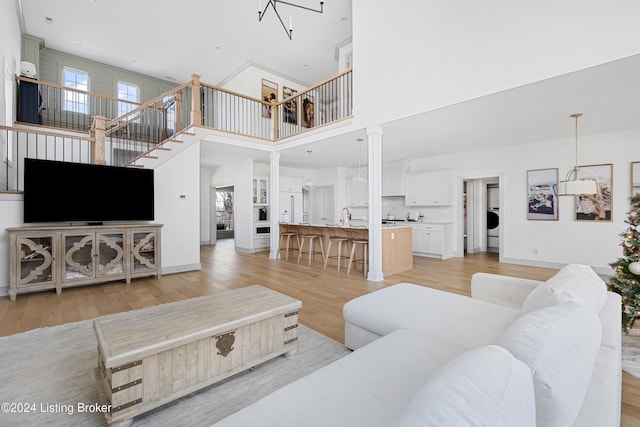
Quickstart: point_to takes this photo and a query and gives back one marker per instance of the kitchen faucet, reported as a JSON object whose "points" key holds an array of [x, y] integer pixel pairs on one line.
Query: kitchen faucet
{"points": [[343, 220]]}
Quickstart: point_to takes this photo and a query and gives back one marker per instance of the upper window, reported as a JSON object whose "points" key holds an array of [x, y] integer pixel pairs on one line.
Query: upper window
{"points": [[76, 102], [127, 92]]}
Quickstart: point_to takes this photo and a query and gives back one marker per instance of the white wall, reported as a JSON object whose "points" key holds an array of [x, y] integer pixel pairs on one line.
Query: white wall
{"points": [[549, 243], [10, 216], [248, 81], [418, 55], [178, 177], [10, 42], [10, 204]]}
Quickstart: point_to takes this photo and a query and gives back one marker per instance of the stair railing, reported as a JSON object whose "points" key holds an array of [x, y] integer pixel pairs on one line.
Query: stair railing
{"points": [[149, 125]]}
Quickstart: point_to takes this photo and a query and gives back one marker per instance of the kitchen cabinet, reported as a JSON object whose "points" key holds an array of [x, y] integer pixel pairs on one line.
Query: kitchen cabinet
{"points": [[260, 191], [393, 178], [433, 240], [396, 250], [291, 184], [428, 188], [356, 195]]}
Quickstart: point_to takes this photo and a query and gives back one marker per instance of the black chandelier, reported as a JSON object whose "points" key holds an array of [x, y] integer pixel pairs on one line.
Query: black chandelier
{"points": [[273, 4]]}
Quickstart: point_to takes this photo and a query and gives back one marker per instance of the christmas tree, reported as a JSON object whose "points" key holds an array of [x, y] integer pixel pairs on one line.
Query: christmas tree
{"points": [[626, 279]]}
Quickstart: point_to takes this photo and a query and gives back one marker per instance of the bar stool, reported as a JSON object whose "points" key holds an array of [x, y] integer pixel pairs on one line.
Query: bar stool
{"points": [[358, 241], [335, 237], [286, 231], [312, 237]]}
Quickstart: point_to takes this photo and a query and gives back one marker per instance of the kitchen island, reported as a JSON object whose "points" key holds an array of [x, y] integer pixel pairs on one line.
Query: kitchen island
{"points": [[397, 243]]}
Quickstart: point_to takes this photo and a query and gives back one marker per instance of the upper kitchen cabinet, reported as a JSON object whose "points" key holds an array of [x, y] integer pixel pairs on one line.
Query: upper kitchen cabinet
{"points": [[260, 191], [393, 178], [356, 194], [292, 184], [428, 188]]}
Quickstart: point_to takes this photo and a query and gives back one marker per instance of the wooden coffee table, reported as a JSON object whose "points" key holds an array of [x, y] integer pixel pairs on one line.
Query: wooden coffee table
{"points": [[152, 356]]}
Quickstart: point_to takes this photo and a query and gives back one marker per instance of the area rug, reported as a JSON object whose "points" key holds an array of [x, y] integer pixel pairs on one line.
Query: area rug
{"points": [[631, 352], [47, 377]]}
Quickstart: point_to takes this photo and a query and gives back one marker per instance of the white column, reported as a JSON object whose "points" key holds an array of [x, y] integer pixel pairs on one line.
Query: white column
{"points": [[274, 202], [374, 145]]}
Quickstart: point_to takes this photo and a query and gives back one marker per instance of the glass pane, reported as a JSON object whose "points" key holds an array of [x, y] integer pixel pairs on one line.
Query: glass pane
{"points": [[78, 257], [110, 254], [144, 251], [35, 260]]}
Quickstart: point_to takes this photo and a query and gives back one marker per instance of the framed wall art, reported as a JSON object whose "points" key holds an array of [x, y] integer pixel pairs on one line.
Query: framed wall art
{"points": [[598, 207], [542, 201], [635, 178], [290, 108], [308, 111], [269, 94]]}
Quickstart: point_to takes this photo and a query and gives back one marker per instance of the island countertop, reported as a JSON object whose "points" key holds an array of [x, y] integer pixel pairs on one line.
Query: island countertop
{"points": [[397, 242]]}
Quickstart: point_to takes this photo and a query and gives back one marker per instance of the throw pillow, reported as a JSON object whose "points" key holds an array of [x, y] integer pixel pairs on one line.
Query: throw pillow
{"points": [[573, 283], [485, 386], [560, 345]]}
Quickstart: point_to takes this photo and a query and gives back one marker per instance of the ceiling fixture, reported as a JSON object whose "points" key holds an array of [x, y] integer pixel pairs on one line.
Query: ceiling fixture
{"points": [[273, 4], [307, 181], [572, 185], [359, 179]]}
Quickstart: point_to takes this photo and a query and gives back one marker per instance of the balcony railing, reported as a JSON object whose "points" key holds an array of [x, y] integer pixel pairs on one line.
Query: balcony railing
{"points": [[95, 135], [56, 106], [17, 144]]}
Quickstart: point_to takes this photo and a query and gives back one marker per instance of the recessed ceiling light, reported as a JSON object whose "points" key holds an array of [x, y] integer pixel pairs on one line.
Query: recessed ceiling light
{"points": [[77, 44], [218, 48], [134, 60], [48, 20]]}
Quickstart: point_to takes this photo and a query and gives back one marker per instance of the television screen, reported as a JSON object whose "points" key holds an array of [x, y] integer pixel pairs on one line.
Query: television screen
{"points": [[79, 192]]}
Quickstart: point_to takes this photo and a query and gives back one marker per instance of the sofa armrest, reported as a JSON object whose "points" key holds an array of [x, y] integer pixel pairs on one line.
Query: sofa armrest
{"points": [[504, 290]]}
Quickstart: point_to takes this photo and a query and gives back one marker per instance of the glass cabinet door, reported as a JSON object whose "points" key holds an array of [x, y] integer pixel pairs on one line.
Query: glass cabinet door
{"points": [[144, 251], [263, 199], [78, 256], [35, 260], [260, 191], [110, 256]]}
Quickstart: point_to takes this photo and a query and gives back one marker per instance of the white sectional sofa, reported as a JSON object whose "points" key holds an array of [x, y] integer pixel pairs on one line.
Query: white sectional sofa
{"points": [[517, 352]]}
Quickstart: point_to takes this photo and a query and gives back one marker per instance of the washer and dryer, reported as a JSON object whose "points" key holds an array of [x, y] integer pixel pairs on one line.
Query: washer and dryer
{"points": [[493, 218]]}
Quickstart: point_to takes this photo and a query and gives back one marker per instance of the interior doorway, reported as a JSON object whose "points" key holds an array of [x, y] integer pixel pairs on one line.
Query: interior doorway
{"points": [[480, 215], [224, 213]]}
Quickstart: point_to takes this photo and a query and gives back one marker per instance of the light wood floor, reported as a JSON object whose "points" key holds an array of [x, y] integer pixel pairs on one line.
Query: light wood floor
{"points": [[322, 292]]}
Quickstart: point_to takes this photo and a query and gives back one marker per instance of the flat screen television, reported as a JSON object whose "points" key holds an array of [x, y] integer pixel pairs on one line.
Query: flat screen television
{"points": [[78, 192]]}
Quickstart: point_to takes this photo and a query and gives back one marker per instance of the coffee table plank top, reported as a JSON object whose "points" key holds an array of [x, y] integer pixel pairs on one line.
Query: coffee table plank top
{"points": [[127, 337]]}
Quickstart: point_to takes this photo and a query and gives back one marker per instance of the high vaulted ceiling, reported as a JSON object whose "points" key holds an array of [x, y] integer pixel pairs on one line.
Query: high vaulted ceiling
{"points": [[171, 39], [214, 38]]}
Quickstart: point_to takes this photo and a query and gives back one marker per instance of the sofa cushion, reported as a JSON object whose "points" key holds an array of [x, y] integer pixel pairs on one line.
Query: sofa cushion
{"points": [[485, 386], [560, 345], [366, 388], [444, 315], [573, 283]]}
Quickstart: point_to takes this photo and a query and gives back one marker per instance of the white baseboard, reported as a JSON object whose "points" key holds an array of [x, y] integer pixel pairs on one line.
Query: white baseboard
{"points": [[602, 271], [4, 291], [181, 268]]}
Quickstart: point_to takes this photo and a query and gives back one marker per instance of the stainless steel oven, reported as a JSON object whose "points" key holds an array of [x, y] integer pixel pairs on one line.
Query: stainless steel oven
{"points": [[261, 230]]}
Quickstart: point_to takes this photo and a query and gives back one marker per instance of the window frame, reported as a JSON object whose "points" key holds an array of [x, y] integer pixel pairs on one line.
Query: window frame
{"points": [[123, 108], [86, 110]]}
